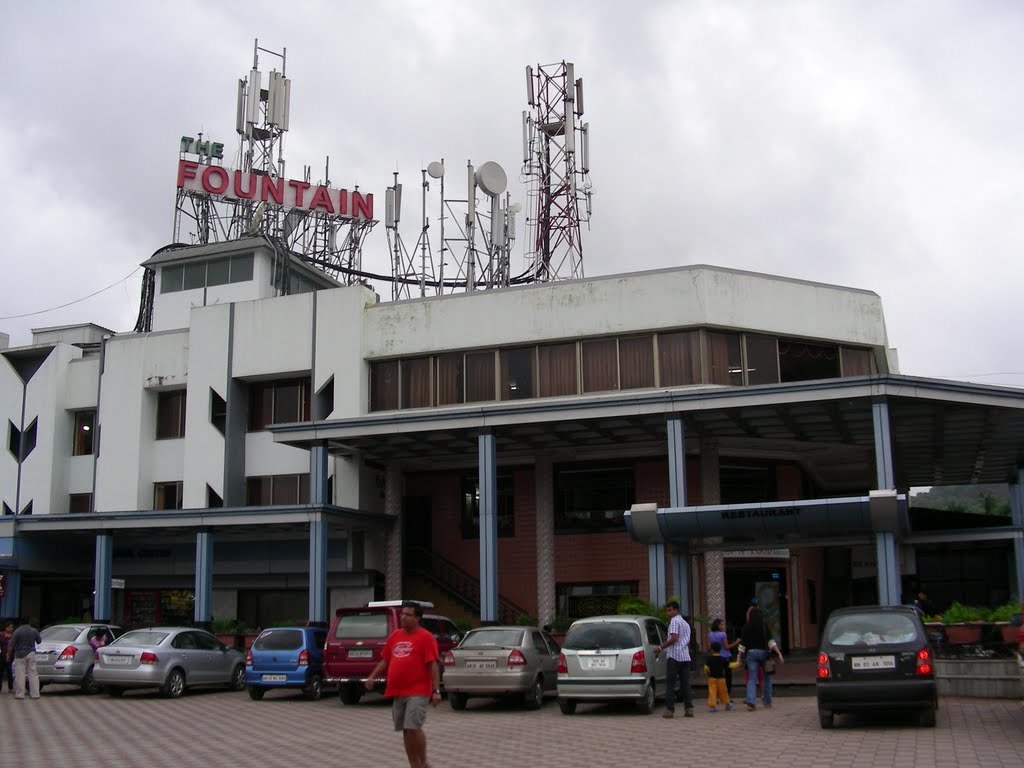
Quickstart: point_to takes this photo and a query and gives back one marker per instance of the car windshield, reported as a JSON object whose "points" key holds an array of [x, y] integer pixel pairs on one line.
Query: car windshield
{"points": [[140, 637], [60, 634], [872, 629], [362, 625], [279, 640], [492, 638], [591, 637]]}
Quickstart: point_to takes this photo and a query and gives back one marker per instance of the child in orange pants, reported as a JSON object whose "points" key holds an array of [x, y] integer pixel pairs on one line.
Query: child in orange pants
{"points": [[714, 668]]}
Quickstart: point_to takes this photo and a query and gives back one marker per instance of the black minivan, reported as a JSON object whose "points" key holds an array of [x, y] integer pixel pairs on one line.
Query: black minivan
{"points": [[874, 658]]}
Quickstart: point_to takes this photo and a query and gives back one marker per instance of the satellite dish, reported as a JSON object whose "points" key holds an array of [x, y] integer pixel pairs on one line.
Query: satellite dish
{"points": [[435, 170], [516, 207], [491, 178]]}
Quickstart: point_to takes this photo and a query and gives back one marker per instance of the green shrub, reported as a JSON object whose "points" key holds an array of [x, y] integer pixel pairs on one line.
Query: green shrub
{"points": [[526, 620], [1004, 612], [634, 606], [958, 613], [561, 624]]}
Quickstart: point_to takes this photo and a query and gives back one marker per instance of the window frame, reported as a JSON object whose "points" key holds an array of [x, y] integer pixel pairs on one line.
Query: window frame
{"points": [[163, 400], [84, 418]]}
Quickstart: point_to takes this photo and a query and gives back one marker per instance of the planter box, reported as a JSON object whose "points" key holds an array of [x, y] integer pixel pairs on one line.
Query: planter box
{"points": [[981, 678], [958, 634]]}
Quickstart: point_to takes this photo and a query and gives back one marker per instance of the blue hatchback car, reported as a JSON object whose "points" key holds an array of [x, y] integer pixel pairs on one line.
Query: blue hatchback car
{"points": [[286, 657]]}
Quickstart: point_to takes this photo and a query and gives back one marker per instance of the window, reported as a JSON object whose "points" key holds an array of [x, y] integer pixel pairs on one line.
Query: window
{"points": [[218, 411], [450, 388], [592, 599], [272, 490], [556, 366], [636, 362], [679, 359], [167, 495], [200, 274], [384, 386], [479, 376], [416, 383], [747, 483], [213, 499], [593, 498], [170, 415], [278, 402], [517, 373], [195, 276], [762, 359], [241, 268], [85, 423], [856, 362], [600, 365], [218, 272], [171, 278], [470, 518], [79, 503], [724, 363], [19, 443], [800, 361]]}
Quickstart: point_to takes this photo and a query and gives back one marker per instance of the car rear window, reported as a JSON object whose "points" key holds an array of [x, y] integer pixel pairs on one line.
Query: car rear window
{"points": [[141, 637], [872, 629], [590, 637], [60, 634], [492, 638], [279, 640], [357, 626]]}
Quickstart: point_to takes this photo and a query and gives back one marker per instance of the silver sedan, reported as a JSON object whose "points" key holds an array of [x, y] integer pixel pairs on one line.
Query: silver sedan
{"points": [[67, 652], [501, 661], [168, 658]]}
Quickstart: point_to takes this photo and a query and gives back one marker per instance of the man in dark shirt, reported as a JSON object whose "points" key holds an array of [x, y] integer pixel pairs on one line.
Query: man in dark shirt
{"points": [[23, 641]]}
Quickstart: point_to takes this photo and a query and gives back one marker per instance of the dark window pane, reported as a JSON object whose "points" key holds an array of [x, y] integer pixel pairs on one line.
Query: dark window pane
{"points": [[241, 268], [636, 362], [679, 358], [28, 440], [287, 399], [167, 495], [449, 379], [594, 498], [286, 489], [85, 424], [416, 383], [218, 272], [479, 376], [304, 488], [800, 361], [257, 491], [171, 278], [79, 503], [195, 275], [384, 386], [470, 522], [556, 366], [213, 499], [762, 359], [218, 411], [14, 440], [747, 483], [856, 362], [517, 373], [170, 415], [600, 365], [724, 364], [261, 406]]}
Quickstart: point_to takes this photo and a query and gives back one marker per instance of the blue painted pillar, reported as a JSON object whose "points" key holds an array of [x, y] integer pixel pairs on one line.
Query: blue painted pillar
{"points": [[318, 474], [677, 498], [203, 609], [102, 572], [887, 554], [1017, 517], [318, 570], [887, 549], [656, 573], [884, 476], [488, 468], [10, 603]]}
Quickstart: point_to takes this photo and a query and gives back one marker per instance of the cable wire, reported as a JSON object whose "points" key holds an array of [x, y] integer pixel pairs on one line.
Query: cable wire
{"points": [[76, 301]]}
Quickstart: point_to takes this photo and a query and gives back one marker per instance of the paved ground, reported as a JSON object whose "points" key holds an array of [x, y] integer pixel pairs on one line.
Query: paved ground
{"points": [[215, 728]]}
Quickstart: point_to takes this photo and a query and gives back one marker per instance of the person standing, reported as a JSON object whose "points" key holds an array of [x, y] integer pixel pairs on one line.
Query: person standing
{"points": [[678, 662], [715, 668], [756, 645], [7, 657], [719, 634], [23, 644], [413, 679]]}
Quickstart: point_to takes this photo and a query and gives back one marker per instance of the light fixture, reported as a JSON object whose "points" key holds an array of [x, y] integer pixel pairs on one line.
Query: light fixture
{"points": [[86, 427]]}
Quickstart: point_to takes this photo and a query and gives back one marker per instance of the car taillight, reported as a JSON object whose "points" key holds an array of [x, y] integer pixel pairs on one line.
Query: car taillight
{"points": [[147, 657], [639, 662], [924, 661], [304, 659], [68, 653], [449, 659], [248, 658], [824, 671], [562, 668], [516, 659]]}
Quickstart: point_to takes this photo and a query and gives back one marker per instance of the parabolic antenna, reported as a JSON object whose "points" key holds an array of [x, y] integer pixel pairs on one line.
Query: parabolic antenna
{"points": [[516, 207], [435, 170], [491, 178]]}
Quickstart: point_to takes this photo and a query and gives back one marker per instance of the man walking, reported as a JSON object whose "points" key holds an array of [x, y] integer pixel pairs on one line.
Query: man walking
{"points": [[23, 642], [413, 679], [678, 662]]}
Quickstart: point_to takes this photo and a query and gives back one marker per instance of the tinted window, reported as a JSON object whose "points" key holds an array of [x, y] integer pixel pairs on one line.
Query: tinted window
{"points": [[551, 642], [141, 637], [538, 643], [320, 638], [206, 642], [279, 640], [492, 638], [362, 625], [60, 634], [872, 629], [652, 632], [186, 641], [604, 635]]}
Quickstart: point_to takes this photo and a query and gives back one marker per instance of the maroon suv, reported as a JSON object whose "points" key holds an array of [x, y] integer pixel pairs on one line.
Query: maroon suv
{"points": [[357, 637]]}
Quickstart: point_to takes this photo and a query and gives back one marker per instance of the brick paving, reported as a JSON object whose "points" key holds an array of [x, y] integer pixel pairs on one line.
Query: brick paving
{"points": [[219, 728]]}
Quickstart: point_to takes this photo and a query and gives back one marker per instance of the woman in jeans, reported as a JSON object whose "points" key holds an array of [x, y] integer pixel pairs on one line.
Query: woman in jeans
{"points": [[756, 645]]}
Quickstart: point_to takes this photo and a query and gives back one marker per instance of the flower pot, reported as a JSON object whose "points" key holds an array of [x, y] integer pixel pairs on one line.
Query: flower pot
{"points": [[1009, 632], [958, 634]]}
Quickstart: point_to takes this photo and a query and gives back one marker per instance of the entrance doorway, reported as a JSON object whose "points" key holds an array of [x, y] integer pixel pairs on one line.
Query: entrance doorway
{"points": [[769, 585]]}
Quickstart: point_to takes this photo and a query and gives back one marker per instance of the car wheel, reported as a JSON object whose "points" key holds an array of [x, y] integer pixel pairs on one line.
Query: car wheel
{"points": [[174, 686], [350, 694], [113, 691], [568, 706], [457, 700], [89, 686], [312, 691], [237, 678], [256, 694], [534, 698], [928, 717], [646, 703], [826, 717]]}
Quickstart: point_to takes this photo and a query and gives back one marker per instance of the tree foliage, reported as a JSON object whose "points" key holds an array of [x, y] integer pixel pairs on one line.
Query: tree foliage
{"points": [[979, 499]]}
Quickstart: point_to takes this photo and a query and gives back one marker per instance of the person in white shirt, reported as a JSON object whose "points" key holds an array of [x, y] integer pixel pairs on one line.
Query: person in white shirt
{"points": [[678, 662]]}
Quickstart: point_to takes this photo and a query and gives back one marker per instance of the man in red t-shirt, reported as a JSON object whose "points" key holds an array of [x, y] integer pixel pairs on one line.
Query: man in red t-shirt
{"points": [[410, 658]]}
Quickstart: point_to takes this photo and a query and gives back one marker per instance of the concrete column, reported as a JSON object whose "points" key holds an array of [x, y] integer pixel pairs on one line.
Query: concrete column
{"points": [[884, 476], [10, 603], [676, 430], [318, 474], [488, 468], [203, 608], [101, 575], [711, 493], [887, 554], [393, 545], [1017, 517], [318, 570], [544, 503], [656, 574]]}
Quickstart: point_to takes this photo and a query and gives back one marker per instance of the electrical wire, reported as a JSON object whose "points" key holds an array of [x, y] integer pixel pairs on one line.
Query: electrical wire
{"points": [[76, 301]]}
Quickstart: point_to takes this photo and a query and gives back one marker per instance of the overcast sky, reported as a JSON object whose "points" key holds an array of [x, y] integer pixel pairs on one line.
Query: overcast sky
{"points": [[876, 145]]}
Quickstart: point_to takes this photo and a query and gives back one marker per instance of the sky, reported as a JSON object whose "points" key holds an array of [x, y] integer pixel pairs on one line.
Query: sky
{"points": [[874, 144]]}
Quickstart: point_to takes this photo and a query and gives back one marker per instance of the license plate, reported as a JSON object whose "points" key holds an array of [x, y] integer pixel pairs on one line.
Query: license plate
{"points": [[360, 654], [873, 662], [118, 659], [274, 678], [600, 662], [482, 664]]}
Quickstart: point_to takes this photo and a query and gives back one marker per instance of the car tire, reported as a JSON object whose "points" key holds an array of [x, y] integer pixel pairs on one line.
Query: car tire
{"points": [[174, 685], [237, 678], [826, 717], [349, 694], [568, 706], [646, 704], [457, 700], [89, 685], [534, 698], [314, 688], [113, 691], [927, 717], [255, 693]]}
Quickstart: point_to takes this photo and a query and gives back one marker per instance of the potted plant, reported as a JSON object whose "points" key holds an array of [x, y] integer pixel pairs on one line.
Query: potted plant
{"points": [[1002, 616], [963, 623]]}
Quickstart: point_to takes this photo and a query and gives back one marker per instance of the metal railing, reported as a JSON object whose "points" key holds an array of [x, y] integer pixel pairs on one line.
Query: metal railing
{"points": [[462, 587]]}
